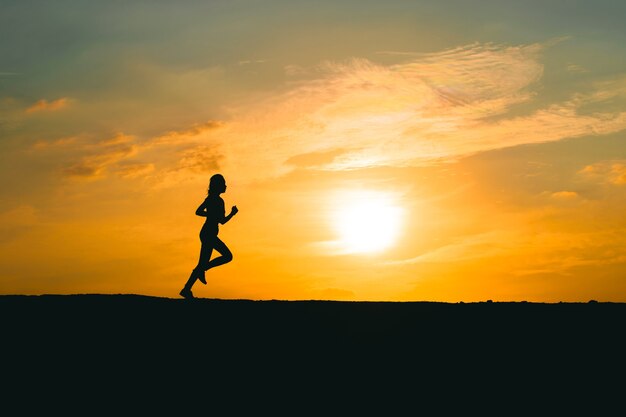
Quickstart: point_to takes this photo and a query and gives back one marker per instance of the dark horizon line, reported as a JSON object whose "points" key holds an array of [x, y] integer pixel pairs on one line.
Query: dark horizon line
{"points": [[488, 301]]}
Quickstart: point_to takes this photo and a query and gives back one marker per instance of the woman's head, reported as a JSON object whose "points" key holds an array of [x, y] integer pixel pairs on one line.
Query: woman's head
{"points": [[217, 184]]}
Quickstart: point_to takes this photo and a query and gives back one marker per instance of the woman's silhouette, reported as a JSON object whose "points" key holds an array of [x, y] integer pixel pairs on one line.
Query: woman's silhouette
{"points": [[213, 209]]}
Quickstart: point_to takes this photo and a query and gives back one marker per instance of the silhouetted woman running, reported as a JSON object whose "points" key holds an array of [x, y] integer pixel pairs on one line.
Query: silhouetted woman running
{"points": [[213, 209]]}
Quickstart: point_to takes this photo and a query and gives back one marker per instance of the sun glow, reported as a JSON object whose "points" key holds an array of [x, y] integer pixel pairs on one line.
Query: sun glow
{"points": [[367, 222]]}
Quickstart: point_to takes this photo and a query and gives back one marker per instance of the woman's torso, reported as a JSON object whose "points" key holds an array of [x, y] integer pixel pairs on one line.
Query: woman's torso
{"points": [[215, 213]]}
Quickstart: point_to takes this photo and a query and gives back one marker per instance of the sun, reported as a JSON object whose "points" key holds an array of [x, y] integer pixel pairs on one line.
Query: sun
{"points": [[367, 222]]}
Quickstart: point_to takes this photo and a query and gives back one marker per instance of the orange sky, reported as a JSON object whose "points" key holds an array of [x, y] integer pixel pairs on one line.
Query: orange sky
{"points": [[484, 146]]}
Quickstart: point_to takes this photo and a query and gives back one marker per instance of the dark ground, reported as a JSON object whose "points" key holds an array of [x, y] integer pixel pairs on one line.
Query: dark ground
{"points": [[115, 348]]}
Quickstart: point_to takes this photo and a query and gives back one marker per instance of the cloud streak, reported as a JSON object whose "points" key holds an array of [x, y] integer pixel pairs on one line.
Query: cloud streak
{"points": [[611, 172], [166, 159], [194, 134], [101, 156], [550, 251], [44, 105], [467, 248]]}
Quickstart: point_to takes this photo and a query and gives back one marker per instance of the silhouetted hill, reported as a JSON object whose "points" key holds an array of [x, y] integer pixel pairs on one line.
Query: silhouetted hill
{"points": [[310, 348]]}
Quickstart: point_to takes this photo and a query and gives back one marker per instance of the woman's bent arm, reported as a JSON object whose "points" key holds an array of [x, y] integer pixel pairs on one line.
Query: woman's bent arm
{"points": [[232, 213], [201, 210]]}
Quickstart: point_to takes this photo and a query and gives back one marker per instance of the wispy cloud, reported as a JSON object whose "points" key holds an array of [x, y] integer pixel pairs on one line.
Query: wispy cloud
{"points": [[576, 69], [564, 195], [478, 246], [292, 70], [45, 105], [527, 252], [179, 154], [193, 134], [102, 155], [251, 61], [132, 171], [612, 172], [56, 143], [201, 159]]}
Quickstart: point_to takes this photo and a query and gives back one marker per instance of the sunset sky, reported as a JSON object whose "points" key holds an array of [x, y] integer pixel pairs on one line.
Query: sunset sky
{"points": [[440, 150]]}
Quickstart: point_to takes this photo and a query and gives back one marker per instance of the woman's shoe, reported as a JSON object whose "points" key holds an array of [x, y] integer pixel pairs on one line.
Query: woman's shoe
{"points": [[186, 293], [201, 277]]}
